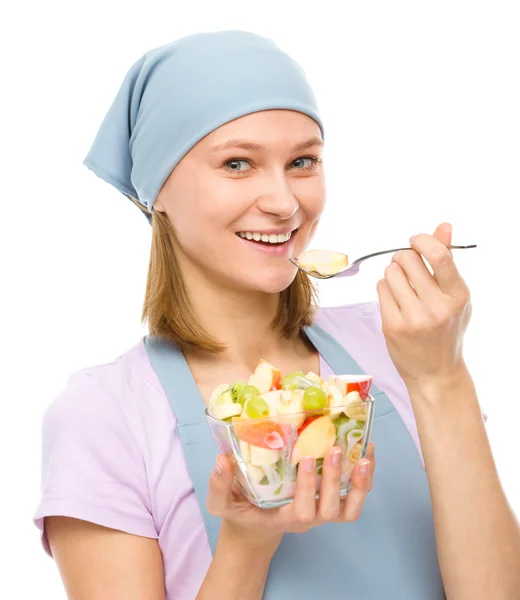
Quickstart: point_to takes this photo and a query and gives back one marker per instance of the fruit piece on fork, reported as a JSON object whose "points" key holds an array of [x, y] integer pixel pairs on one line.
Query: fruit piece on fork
{"points": [[323, 261]]}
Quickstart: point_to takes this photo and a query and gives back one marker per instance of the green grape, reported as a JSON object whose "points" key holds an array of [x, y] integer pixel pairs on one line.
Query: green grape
{"points": [[235, 390], [248, 391], [314, 398], [256, 407], [290, 381]]}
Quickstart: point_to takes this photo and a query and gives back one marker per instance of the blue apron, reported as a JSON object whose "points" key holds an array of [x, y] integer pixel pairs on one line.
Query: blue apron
{"points": [[389, 553]]}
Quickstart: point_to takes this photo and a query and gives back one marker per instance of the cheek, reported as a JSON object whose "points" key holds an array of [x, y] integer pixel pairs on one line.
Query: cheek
{"points": [[311, 196], [194, 210]]}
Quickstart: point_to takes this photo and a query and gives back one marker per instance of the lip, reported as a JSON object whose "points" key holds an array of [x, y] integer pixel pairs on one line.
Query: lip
{"points": [[278, 231]]}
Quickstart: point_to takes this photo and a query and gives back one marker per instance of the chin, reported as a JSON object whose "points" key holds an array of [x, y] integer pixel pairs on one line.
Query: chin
{"points": [[273, 281]]}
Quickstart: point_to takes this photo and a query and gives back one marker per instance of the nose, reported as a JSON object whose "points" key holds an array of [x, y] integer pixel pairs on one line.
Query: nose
{"points": [[279, 200]]}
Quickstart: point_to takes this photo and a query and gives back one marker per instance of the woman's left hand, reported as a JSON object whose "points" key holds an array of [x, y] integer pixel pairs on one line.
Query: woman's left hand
{"points": [[425, 316]]}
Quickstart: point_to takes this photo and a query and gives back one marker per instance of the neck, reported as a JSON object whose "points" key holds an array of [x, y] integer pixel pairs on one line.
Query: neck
{"points": [[239, 319]]}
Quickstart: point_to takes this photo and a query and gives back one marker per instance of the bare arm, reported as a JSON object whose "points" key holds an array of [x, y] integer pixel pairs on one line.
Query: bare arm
{"points": [[478, 536], [424, 319], [97, 563], [238, 570]]}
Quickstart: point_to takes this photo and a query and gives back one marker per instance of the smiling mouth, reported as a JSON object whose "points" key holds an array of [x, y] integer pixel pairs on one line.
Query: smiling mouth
{"points": [[267, 239]]}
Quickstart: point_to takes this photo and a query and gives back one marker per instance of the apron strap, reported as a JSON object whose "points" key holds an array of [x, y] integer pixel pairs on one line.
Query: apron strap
{"points": [[199, 449], [174, 374]]}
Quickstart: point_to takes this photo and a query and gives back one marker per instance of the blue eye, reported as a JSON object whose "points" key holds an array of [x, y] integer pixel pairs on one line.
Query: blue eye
{"points": [[234, 165], [304, 163], [299, 163]]}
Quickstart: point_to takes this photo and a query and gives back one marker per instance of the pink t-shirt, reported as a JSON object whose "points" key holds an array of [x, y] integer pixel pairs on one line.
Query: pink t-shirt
{"points": [[112, 456]]}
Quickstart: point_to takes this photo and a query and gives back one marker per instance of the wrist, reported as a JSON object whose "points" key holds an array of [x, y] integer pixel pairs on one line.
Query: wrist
{"points": [[245, 543], [435, 390]]}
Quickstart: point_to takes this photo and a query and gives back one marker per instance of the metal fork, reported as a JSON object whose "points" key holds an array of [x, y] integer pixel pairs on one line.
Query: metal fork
{"points": [[353, 269]]}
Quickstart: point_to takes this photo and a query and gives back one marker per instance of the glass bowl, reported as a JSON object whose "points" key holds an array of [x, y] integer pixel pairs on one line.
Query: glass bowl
{"points": [[265, 452]]}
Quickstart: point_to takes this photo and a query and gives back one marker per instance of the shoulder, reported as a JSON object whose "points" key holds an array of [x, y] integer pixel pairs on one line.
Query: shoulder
{"points": [[116, 394]]}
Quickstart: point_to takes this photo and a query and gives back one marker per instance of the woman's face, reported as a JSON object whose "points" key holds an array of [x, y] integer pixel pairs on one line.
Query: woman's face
{"points": [[252, 182]]}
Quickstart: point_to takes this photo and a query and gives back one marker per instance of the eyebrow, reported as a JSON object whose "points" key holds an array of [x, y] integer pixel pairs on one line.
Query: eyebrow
{"points": [[251, 146]]}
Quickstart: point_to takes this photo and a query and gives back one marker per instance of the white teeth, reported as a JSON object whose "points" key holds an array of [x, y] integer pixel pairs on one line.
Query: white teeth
{"points": [[271, 238]]}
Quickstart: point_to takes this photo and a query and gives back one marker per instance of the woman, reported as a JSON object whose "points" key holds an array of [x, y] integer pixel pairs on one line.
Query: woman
{"points": [[218, 139]]}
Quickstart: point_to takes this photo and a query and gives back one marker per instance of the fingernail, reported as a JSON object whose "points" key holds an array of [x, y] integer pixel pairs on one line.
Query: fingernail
{"points": [[309, 464], [365, 466], [218, 468], [412, 239], [336, 458]]}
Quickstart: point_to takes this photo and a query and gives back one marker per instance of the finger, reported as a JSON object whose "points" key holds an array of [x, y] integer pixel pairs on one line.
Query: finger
{"points": [[371, 456], [304, 503], [444, 233], [361, 482], [220, 484], [441, 261], [390, 311], [329, 504], [401, 289], [415, 269]]}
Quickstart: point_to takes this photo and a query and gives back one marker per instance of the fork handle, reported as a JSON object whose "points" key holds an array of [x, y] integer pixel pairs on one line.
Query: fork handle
{"points": [[357, 261]]}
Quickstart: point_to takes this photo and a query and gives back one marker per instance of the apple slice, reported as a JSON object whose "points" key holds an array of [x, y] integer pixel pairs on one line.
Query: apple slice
{"points": [[352, 383], [325, 262], [266, 378], [315, 439], [307, 422]]}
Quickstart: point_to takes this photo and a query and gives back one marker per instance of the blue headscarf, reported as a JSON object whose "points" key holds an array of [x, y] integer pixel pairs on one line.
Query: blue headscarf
{"points": [[176, 94]]}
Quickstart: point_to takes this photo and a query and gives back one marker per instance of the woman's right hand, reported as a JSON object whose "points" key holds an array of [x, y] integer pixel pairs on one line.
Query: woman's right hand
{"points": [[248, 523]]}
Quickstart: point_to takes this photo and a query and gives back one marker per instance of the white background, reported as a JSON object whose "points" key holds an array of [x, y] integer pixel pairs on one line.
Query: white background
{"points": [[421, 107]]}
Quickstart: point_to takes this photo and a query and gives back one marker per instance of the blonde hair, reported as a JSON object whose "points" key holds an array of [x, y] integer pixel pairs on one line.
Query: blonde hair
{"points": [[167, 308]]}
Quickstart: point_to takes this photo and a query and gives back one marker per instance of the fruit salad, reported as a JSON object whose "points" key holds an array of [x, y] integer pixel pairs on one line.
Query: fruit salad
{"points": [[268, 425]]}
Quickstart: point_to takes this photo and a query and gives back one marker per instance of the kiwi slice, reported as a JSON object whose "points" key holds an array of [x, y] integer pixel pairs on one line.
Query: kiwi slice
{"points": [[235, 389]]}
